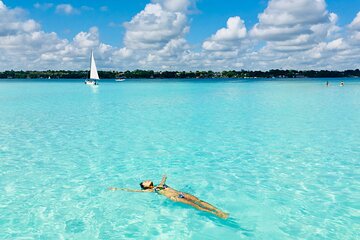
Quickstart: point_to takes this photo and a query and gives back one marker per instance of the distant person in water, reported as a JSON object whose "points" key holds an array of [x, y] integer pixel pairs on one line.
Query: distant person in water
{"points": [[342, 84], [176, 196], [327, 83]]}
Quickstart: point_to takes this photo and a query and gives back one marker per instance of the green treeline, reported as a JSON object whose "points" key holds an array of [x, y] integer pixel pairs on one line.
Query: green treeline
{"points": [[275, 73]]}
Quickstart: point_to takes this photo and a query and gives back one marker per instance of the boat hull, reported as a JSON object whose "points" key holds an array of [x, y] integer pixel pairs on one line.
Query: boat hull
{"points": [[92, 83]]}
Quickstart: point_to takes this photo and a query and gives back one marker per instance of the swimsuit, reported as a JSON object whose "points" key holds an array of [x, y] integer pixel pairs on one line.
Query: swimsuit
{"points": [[161, 188], [157, 189], [181, 195]]}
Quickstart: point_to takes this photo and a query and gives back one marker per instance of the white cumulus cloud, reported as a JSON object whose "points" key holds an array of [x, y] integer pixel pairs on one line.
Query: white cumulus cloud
{"points": [[174, 5], [154, 27], [355, 24], [227, 38], [297, 34], [294, 25], [354, 28], [156, 35], [43, 6], [23, 45], [66, 9]]}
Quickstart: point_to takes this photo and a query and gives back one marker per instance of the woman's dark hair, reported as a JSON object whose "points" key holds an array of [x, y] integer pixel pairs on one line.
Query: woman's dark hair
{"points": [[144, 188]]}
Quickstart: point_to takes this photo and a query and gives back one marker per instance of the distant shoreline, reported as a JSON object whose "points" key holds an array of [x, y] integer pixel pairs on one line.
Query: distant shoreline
{"points": [[149, 74]]}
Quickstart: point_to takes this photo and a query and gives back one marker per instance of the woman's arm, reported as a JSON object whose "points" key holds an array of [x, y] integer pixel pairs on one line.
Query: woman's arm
{"points": [[163, 180], [129, 190]]}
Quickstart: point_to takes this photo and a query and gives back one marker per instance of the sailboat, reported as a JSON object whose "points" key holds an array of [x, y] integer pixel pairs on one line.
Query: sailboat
{"points": [[94, 76]]}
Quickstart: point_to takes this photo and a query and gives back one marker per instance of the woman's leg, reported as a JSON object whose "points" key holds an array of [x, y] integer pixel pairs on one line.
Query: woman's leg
{"points": [[215, 211], [183, 200], [200, 202]]}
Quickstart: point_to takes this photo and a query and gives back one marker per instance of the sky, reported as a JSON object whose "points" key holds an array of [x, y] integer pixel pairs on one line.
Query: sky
{"points": [[180, 34]]}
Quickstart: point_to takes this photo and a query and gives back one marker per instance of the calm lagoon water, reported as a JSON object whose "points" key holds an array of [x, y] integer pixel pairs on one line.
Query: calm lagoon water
{"points": [[282, 157]]}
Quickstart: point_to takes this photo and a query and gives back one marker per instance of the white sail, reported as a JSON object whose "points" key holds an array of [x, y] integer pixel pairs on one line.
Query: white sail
{"points": [[93, 71]]}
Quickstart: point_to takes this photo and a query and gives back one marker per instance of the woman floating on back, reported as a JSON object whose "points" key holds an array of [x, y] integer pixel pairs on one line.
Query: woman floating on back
{"points": [[176, 196]]}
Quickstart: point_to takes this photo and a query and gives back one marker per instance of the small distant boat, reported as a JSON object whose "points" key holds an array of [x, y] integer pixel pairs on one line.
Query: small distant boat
{"points": [[120, 80], [94, 76], [49, 77]]}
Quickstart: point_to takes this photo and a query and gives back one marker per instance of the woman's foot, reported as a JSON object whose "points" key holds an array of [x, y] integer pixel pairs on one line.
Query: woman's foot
{"points": [[222, 215]]}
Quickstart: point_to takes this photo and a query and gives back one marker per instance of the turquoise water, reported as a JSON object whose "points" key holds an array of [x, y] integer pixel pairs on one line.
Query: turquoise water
{"points": [[282, 157]]}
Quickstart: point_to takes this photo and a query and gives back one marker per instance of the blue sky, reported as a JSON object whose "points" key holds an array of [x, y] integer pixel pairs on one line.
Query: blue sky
{"points": [[195, 38], [210, 15]]}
